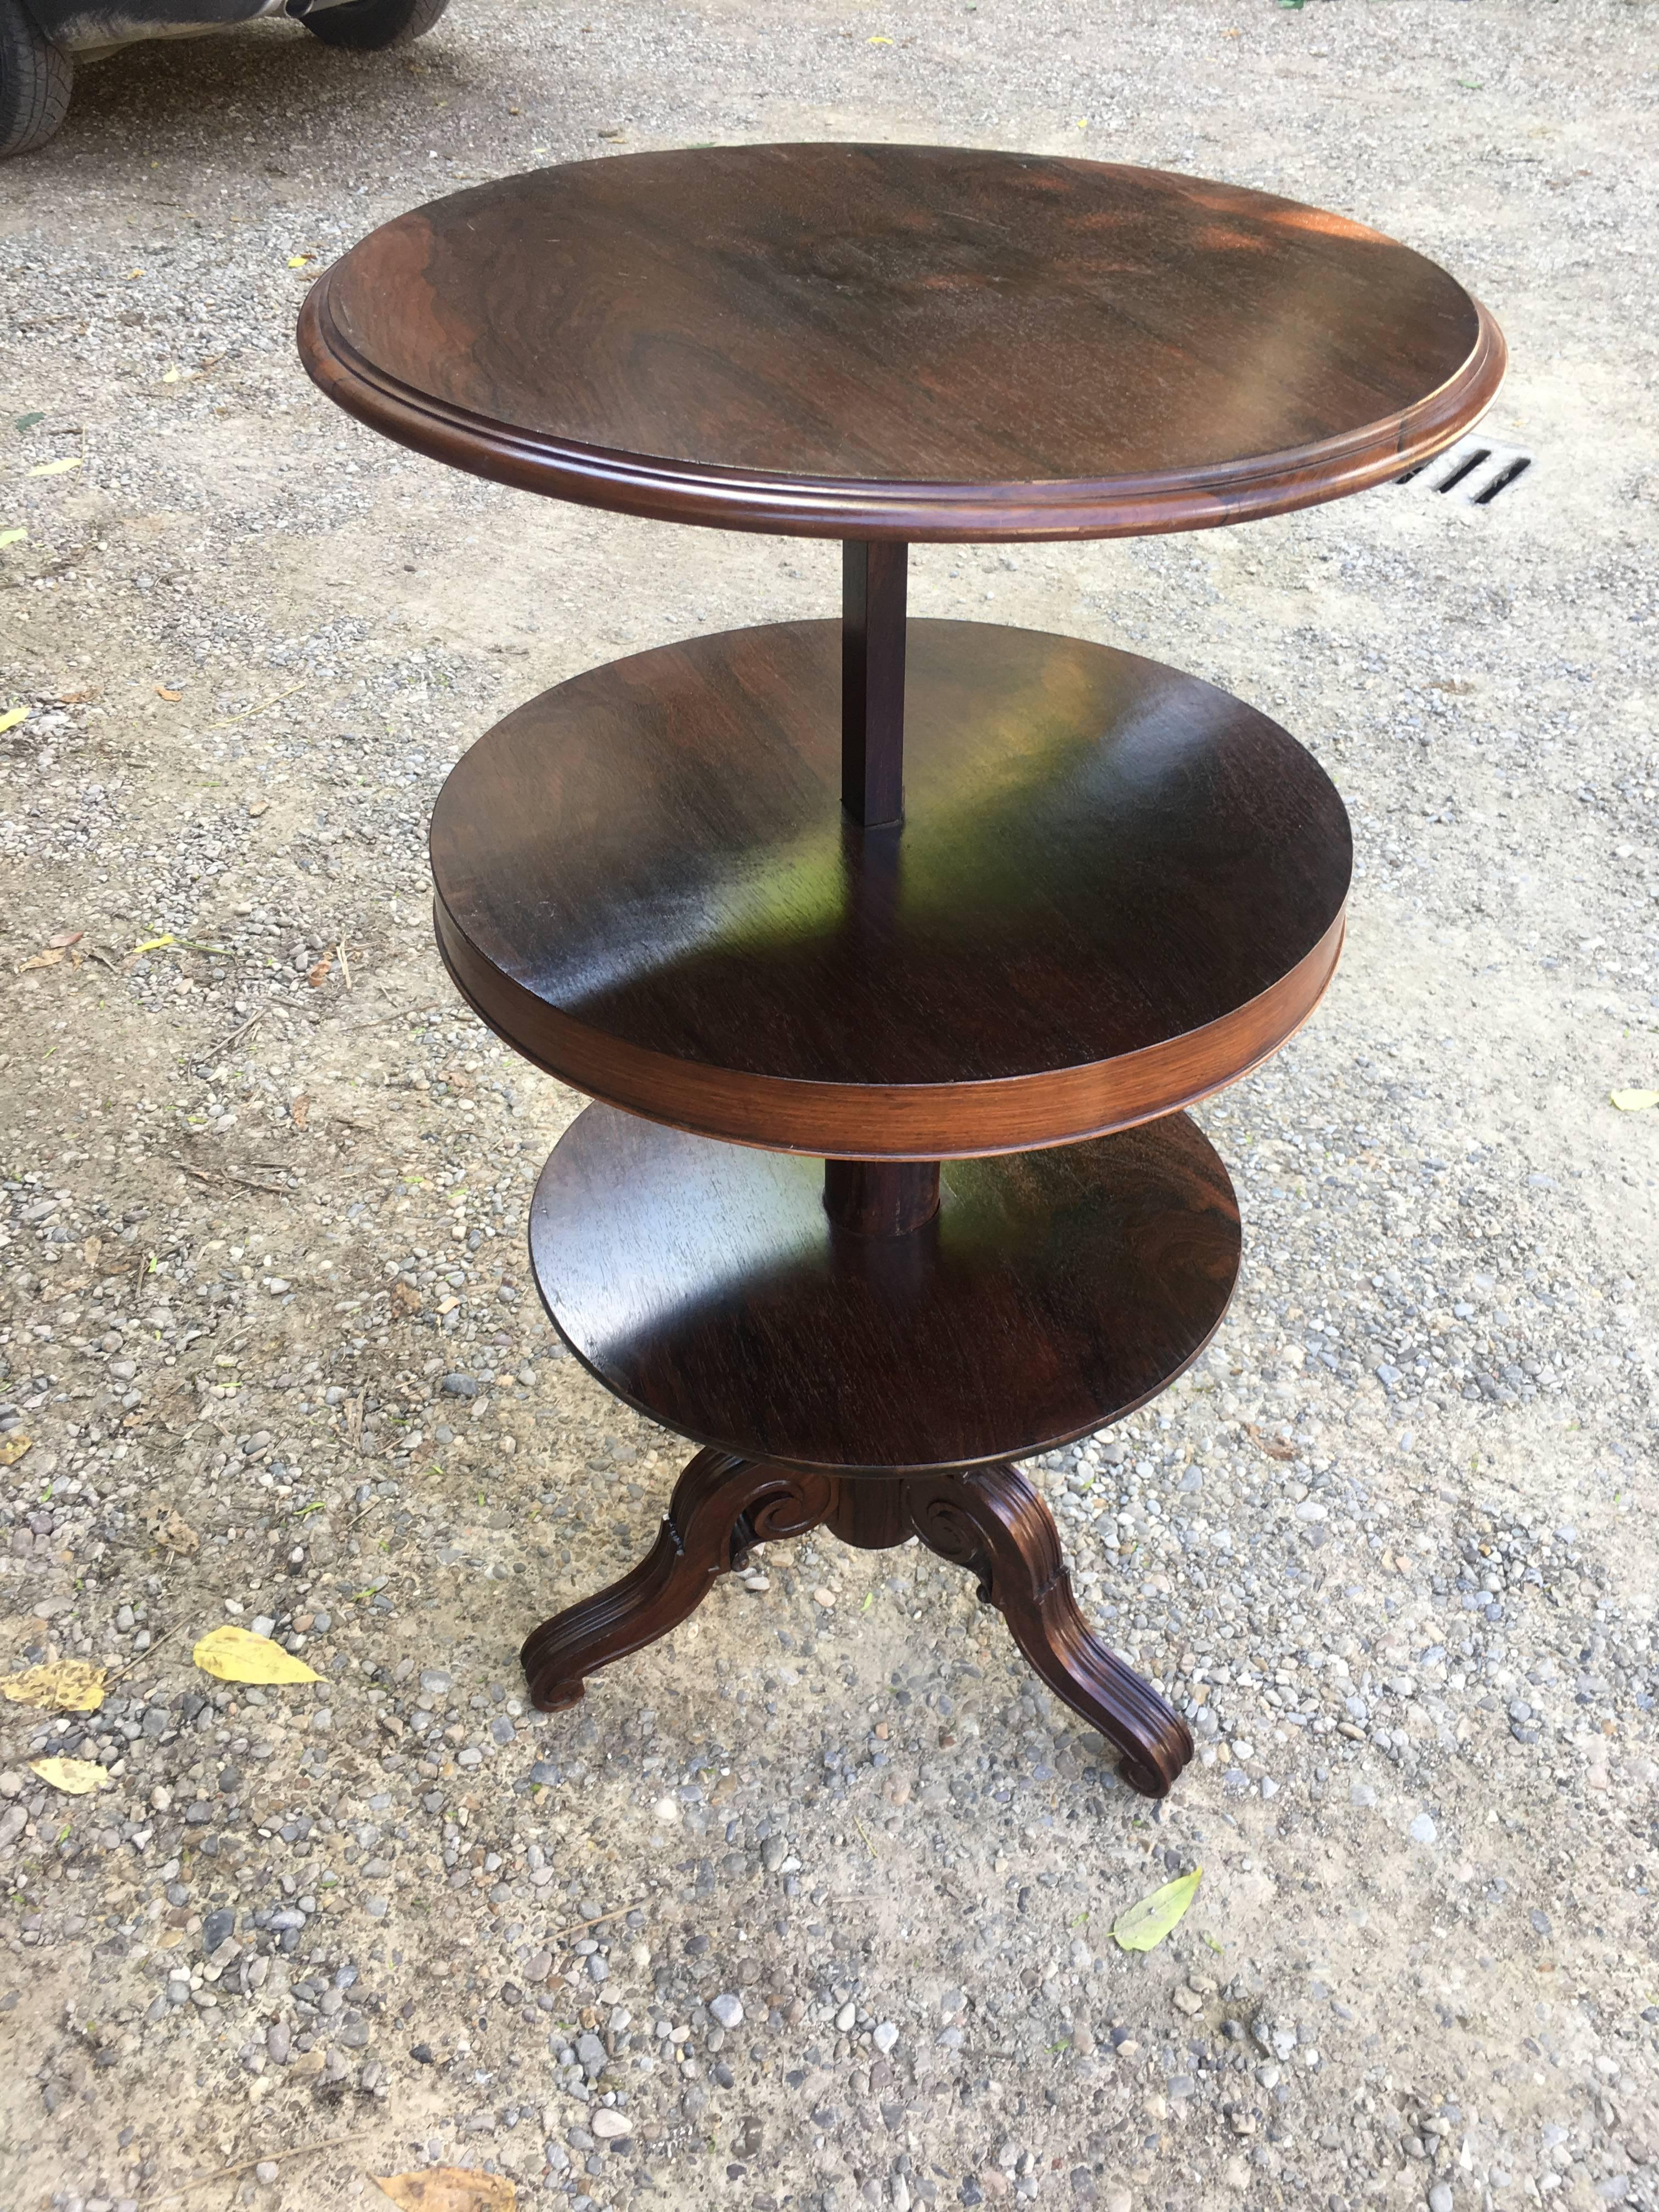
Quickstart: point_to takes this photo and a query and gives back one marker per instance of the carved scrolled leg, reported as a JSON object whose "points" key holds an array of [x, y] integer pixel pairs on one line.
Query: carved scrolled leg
{"points": [[721, 1505], [994, 1523]]}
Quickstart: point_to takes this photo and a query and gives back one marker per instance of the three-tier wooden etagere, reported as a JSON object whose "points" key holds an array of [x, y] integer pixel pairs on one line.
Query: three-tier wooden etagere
{"points": [[894, 950]]}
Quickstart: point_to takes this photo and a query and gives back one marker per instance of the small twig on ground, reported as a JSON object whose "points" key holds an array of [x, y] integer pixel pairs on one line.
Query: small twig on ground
{"points": [[249, 713], [242, 1031], [247, 2164], [155, 1642], [576, 1927], [345, 965]]}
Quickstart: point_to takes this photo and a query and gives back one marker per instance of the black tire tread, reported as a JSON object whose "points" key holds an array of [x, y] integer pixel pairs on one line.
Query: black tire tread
{"points": [[370, 26], [36, 80]]}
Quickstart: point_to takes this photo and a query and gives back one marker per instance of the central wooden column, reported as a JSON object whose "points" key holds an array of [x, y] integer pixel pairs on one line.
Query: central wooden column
{"points": [[880, 1198], [872, 598], [875, 1198]]}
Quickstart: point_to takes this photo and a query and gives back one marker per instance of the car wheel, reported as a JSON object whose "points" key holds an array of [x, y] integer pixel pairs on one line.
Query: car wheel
{"points": [[366, 25], [35, 79]]}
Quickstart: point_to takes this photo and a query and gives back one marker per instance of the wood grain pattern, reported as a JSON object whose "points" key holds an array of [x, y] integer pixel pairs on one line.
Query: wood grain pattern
{"points": [[992, 1522], [1114, 890], [901, 342], [1054, 1291]]}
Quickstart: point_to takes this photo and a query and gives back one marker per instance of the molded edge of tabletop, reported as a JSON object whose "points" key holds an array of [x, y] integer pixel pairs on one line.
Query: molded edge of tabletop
{"points": [[1205, 498]]}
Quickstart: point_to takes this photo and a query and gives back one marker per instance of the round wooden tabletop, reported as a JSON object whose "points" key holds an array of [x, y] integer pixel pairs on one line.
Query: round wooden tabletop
{"points": [[906, 342], [1115, 888], [1052, 1292]]}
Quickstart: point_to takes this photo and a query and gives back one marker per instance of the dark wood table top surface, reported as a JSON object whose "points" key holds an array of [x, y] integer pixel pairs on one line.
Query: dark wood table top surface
{"points": [[1115, 888], [901, 342], [1054, 1291]]}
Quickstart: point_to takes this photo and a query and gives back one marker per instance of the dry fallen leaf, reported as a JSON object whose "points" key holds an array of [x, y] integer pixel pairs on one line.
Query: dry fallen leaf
{"points": [[405, 1298], [1268, 1444], [1635, 1102], [235, 1655], [49, 958], [1148, 1922], [10, 721], [55, 468], [67, 1686], [256, 807], [176, 1533], [65, 938], [13, 1448], [300, 1112], [173, 697], [76, 1777], [319, 974], [448, 2189], [14, 536]]}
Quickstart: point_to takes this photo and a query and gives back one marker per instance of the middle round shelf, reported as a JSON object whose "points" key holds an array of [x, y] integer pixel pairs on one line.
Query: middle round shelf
{"points": [[1116, 889]]}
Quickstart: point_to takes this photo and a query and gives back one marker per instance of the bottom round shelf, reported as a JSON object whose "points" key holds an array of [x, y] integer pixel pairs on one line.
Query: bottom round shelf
{"points": [[1054, 1292]]}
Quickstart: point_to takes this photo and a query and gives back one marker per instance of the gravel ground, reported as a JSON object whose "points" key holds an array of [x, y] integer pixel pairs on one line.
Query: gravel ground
{"points": [[813, 1905]]}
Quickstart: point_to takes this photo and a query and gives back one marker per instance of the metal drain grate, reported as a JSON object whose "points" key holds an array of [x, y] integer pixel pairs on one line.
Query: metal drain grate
{"points": [[1476, 471]]}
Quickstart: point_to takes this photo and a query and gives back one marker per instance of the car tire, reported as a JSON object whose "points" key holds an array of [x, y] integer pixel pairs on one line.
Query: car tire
{"points": [[36, 78], [367, 26]]}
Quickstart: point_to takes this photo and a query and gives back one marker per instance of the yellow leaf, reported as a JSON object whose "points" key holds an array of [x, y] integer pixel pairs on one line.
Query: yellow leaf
{"points": [[235, 1656], [878, 42], [448, 2189], [152, 945], [11, 721], [14, 1446], [1147, 1923], [76, 1777], [13, 538], [1635, 1102], [55, 468], [68, 1686], [299, 260]]}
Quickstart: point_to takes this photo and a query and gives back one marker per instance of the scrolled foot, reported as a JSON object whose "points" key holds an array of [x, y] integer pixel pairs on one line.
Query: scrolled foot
{"points": [[994, 1525], [721, 1506]]}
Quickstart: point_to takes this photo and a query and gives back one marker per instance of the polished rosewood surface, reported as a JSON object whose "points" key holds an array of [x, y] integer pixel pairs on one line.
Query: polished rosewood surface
{"points": [[907, 341], [1114, 889], [708, 1285]]}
